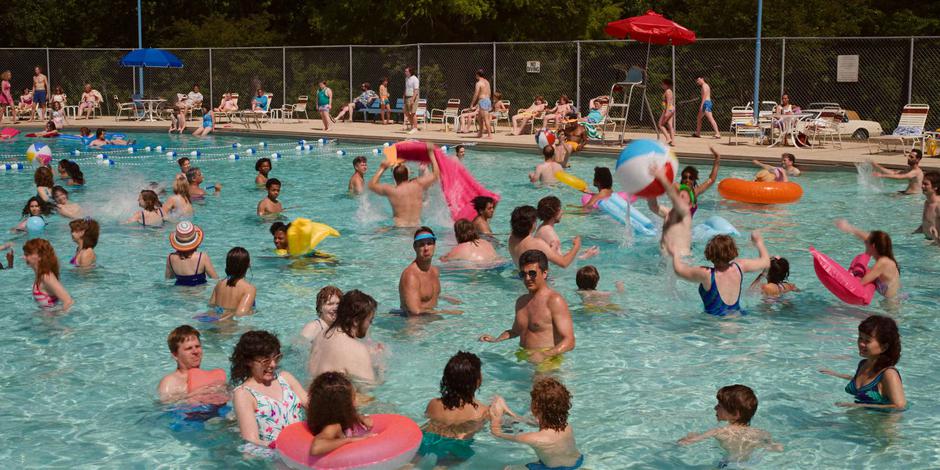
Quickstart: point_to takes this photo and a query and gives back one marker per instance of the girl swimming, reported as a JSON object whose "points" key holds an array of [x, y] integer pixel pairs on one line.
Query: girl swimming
{"points": [[885, 274], [47, 290], [179, 204], [332, 416], [457, 415], [71, 173], [85, 235], [151, 214], [34, 208], [776, 276], [235, 296]]}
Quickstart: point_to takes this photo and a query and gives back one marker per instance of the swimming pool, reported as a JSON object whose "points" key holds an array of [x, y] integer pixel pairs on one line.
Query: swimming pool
{"points": [[80, 389]]}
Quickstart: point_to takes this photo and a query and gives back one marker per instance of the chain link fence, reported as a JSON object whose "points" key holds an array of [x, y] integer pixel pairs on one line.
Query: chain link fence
{"points": [[891, 72]]}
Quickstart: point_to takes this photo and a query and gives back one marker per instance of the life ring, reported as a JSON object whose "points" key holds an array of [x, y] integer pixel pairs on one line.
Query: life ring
{"points": [[199, 378], [571, 180], [846, 284], [395, 442], [304, 235], [756, 192]]}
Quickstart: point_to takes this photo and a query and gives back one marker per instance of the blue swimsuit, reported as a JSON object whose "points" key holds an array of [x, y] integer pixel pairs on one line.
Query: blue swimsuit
{"points": [[714, 304], [197, 279], [869, 393]]}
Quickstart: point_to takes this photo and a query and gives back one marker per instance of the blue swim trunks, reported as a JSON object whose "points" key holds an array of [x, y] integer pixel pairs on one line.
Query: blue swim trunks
{"points": [[486, 104], [39, 97], [707, 106], [541, 466]]}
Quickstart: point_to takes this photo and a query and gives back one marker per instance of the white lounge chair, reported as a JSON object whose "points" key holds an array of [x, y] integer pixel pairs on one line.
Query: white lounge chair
{"points": [[446, 115], [910, 129], [826, 125], [130, 107]]}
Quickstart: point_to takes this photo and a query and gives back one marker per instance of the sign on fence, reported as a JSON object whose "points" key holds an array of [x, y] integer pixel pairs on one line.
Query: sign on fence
{"points": [[533, 66], [847, 69]]}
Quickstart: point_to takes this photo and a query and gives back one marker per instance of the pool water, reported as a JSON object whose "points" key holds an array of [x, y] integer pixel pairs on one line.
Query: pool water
{"points": [[79, 389]]}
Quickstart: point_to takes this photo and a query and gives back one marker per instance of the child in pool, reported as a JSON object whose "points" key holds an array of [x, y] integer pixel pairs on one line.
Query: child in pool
{"points": [[327, 303], [151, 214], [885, 274], [787, 167], [736, 405], [85, 235], [234, 297], [101, 141], [47, 290], [876, 383], [44, 182], [270, 205], [263, 167], [776, 275], [34, 208], [587, 279], [179, 204], [332, 416], [604, 182], [71, 173], [279, 232], [457, 415], [554, 442]]}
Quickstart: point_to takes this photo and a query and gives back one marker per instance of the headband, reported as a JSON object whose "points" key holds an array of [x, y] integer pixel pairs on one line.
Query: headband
{"points": [[425, 236]]}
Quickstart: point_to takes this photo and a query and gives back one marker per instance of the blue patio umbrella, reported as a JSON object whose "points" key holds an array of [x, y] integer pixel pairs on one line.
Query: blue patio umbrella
{"points": [[157, 58]]}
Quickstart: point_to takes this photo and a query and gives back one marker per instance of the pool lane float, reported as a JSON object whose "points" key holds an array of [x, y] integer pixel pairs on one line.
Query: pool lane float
{"points": [[304, 235], [459, 186], [846, 284], [713, 225], [633, 167], [616, 207], [394, 443], [758, 192], [571, 180]]}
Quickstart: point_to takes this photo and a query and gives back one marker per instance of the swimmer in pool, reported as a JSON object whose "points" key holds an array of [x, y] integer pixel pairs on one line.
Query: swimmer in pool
{"points": [[587, 279], [456, 415], [279, 232], [270, 205], [234, 296], [549, 212], [101, 141], [604, 182], [545, 172], [930, 221], [8, 247], [341, 347], [522, 221], [420, 283], [543, 321], [407, 196], [179, 204], [327, 302], [776, 276], [914, 174], [782, 173], [151, 213], [47, 289], [357, 182], [689, 187], [185, 164], [677, 220], [470, 247], [736, 405], [263, 167], [194, 177], [885, 274], [485, 207], [85, 235], [186, 349]]}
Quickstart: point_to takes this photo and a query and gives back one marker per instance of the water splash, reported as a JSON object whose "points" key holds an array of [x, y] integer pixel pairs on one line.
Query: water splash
{"points": [[867, 181]]}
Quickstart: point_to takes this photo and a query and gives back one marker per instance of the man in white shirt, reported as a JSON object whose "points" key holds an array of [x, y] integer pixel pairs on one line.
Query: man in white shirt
{"points": [[411, 100], [194, 98]]}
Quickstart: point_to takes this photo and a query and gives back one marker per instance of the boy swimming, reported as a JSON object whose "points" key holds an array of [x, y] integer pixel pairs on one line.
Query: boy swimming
{"points": [[270, 205]]}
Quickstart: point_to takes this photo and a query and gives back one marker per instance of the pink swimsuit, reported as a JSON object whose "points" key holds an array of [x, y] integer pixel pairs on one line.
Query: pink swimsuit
{"points": [[43, 299]]}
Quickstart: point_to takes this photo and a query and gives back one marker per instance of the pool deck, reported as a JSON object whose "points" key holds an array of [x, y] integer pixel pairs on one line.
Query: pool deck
{"points": [[687, 148]]}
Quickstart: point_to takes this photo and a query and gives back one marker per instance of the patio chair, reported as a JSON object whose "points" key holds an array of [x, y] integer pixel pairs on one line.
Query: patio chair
{"points": [[910, 129], [230, 115], [598, 130], [287, 111], [449, 113], [421, 114], [826, 125], [501, 115], [129, 106], [742, 123]]}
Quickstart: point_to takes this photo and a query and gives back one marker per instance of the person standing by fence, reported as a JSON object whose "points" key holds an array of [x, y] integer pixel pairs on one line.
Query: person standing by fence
{"points": [[705, 109], [481, 99], [411, 100]]}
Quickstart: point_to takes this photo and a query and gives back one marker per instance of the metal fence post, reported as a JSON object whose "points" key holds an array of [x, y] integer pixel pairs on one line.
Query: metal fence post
{"points": [[49, 71], [419, 63], [284, 75], [673, 69], [910, 71], [350, 74], [783, 65], [494, 67], [211, 94], [577, 79]]}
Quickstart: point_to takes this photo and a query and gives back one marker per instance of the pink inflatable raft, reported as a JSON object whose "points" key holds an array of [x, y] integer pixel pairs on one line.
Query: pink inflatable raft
{"points": [[846, 284], [394, 444]]}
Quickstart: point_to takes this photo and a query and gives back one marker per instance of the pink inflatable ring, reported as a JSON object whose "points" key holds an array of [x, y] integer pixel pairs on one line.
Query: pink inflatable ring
{"points": [[846, 284], [394, 444]]}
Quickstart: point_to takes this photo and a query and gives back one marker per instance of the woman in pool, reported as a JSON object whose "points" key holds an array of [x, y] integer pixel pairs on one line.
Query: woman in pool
{"points": [[885, 274], [776, 276], [34, 208], [234, 296], [151, 213], [265, 400], [327, 303], [185, 240], [341, 346], [85, 235], [71, 173], [44, 183], [470, 247], [263, 167], [604, 182], [47, 290], [179, 204], [720, 284], [457, 415], [876, 383], [63, 206]]}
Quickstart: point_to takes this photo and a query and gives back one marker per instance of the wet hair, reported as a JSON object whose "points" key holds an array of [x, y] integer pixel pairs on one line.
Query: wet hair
{"points": [[43, 177], [721, 250], [236, 265], [278, 227], [918, 154], [90, 228], [934, 178], [480, 203], [325, 294], [778, 271], [251, 345], [693, 172], [358, 160], [548, 152], [48, 263], [458, 148], [423, 229], [272, 182], [332, 402], [400, 174], [551, 402], [602, 177], [260, 161], [179, 335], [521, 220], [183, 160], [881, 242], [461, 379], [99, 133], [465, 232], [86, 131], [181, 187], [50, 125], [73, 170], [587, 278], [534, 257], [791, 157], [191, 174], [739, 399], [354, 307], [44, 209], [59, 189], [151, 201], [885, 330], [548, 208]]}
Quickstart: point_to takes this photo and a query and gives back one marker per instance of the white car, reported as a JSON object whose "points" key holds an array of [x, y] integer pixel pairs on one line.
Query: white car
{"points": [[851, 125]]}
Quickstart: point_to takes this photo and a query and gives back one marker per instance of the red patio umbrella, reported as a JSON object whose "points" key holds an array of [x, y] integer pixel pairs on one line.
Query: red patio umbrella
{"points": [[651, 28]]}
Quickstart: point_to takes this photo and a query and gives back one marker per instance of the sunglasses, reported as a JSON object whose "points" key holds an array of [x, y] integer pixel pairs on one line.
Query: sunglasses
{"points": [[270, 360], [531, 274]]}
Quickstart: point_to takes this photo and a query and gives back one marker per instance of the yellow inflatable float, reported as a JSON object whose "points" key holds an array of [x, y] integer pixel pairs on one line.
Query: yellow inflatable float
{"points": [[571, 180], [303, 236]]}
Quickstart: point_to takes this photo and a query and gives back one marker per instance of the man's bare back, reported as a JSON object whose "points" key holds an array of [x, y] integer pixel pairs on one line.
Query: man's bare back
{"points": [[407, 196], [545, 173]]}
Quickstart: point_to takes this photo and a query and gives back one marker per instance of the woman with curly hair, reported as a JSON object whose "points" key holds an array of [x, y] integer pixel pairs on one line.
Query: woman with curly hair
{"points": [[47, 290], [876, 383], [266, 400], [457, 415]]}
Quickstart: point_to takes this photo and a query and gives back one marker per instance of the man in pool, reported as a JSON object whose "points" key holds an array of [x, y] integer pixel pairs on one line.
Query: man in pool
{"points": [[677, 220], [357, 182], [186, 348], [543, 322], [930, 221], [522, 220], [406, 196], [486, 208], [460, 151], [420, 284], [270, 205], [545, 172], [914, 174], [194, 178]]}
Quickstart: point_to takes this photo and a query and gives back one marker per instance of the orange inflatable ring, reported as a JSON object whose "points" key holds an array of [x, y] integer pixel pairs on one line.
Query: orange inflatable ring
{"points": [[756, 192], [394, 443], [198, 378]]}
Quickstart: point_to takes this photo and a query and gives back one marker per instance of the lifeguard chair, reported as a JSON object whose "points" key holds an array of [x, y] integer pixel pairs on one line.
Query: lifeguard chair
{"points": [[621, 100]]}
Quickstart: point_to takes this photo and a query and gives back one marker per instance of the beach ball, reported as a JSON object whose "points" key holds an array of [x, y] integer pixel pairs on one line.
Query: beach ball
{"points": [[634, 163], [39, 154], [35, 226], [545, 137]]}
